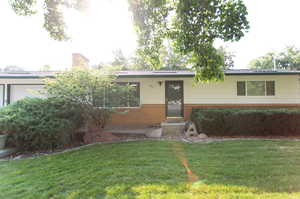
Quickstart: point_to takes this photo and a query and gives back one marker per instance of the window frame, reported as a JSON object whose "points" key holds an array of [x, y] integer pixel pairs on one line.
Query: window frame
{"points": [[3, 95], [246, 88], [125, 107]]}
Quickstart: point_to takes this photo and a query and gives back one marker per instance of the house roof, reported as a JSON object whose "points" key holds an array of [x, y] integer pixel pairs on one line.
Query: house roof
{"points": [[184, 73], [138, 74]]}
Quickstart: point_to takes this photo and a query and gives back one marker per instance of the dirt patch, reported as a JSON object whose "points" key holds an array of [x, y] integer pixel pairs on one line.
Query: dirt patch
{"points": [[90, 138]]}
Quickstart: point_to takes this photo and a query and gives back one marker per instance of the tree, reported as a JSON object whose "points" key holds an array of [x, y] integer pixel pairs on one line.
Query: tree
{"points": [[13, 68], [45, 68], [227, 56], [288, 59], [53, 13], [192, 26], [95, 91], [119, 59]]}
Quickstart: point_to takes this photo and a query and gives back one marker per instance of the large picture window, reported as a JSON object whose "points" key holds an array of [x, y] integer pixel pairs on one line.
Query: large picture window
{"points": [[114, 98], [256, 88]]}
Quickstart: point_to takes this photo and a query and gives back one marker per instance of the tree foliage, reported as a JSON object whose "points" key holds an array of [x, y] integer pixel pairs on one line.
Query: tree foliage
{"points": [[13, 68], [191, 26], [288, 59], [94, 90], [53, 13]]}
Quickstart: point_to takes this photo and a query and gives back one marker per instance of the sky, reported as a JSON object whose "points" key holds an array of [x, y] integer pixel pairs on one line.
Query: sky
{"points": [[107, 26]]}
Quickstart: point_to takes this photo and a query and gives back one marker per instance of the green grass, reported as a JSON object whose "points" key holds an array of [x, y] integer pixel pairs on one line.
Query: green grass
{"points": [[153, 169]]}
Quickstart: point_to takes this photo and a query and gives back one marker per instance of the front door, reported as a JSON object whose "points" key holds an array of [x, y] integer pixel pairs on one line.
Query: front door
{"points": [[174, 98]]}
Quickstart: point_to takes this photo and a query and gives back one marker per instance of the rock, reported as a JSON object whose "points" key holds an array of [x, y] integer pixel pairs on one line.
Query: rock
{"points": [[7, 152], [154, 133], [191, 130], [19, 157], [202, 136]]}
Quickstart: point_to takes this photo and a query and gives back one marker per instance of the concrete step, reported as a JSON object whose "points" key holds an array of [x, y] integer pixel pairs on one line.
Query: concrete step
{"points": [[173, 129], [175, 119]]}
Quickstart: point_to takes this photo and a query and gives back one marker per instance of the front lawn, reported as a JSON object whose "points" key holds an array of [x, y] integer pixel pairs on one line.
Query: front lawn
{"points": [[156, 170]]}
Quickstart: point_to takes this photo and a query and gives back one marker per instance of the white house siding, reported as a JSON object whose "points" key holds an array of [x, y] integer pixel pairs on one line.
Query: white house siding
{"points": [[18, 92], [19, 88], [287, 90]]}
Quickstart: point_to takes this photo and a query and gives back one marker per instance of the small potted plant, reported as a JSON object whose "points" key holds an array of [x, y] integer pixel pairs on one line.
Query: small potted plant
{"points": [[3, 137]]}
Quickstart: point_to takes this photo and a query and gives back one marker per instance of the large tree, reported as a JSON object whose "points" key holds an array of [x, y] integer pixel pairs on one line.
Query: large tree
{"points": [[288, 59], [191, 26]]}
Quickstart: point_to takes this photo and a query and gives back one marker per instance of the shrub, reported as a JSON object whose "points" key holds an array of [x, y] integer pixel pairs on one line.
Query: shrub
{"points": [[247, 122], [34, 123], [91, 89]]}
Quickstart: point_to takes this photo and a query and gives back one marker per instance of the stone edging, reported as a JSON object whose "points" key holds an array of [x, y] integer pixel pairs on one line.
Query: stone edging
{"points": [[180, 139]]}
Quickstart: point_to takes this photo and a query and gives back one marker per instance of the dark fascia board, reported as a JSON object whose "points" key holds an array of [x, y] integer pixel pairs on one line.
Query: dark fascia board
{"points": [[157, 75], [192, 75], [25, 77]]}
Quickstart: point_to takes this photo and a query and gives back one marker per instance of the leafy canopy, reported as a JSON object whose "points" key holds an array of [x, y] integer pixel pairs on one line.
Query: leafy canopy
{"points": [[95, 91], [191, 26], [287, 59]]}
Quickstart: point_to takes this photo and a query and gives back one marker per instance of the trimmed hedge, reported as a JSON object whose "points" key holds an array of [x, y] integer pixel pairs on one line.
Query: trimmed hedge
{"points": [[35, 124], [247, 122]]}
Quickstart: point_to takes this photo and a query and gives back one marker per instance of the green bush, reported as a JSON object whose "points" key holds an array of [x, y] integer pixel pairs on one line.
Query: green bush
{"points": [[35, 124], [247, 122]]}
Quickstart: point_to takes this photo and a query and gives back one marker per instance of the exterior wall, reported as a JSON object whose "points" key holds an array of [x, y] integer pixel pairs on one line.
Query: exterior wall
{"points": [[152, 95], [145, 115], [19, 88], [78, 60], [287, 90], [217, 94], [18, 92], [188, 107]]}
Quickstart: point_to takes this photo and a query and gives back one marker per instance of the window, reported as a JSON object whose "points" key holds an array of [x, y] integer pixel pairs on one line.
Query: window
{"points": [[241, 88], [2, 93], [112, 98], [255, 88]]}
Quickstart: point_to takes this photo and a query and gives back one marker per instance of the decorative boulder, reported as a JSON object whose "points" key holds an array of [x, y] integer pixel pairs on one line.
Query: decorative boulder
{"points": [[191, 130], [202, 136]]}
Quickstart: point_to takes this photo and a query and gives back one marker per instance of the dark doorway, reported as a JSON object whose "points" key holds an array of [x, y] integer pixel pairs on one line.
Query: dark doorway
{"points": [[174, 98]]}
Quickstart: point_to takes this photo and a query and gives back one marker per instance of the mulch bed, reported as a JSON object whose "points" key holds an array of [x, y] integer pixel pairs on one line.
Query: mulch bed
{"points": [[108, 137], [258, 137]]}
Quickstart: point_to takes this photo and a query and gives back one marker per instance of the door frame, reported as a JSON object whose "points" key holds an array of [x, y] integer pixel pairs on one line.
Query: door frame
{"points": [[182, 97]]}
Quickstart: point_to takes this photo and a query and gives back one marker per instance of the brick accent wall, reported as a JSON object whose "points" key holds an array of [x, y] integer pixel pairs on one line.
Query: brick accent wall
{"points": [[154, 114], [188, 107], [147, 114]]}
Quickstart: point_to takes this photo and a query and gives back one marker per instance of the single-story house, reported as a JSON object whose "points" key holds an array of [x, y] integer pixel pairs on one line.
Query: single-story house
{"points": [[163, 94]]}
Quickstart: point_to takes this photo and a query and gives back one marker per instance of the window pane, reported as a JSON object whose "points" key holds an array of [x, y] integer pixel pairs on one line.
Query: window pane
{"points": [[256, 88], [270, 88], [115, 96], [1, 95], [241, 88], [125, 95], [134, 96]]}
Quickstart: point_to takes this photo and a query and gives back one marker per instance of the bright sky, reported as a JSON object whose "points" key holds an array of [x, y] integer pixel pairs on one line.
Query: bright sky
{"points": [[107, 27]]}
